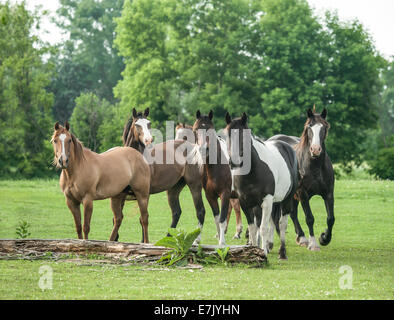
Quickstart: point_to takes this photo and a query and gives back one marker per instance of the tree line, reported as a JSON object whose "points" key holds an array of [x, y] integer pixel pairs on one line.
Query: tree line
{"points": [[273, 59]]}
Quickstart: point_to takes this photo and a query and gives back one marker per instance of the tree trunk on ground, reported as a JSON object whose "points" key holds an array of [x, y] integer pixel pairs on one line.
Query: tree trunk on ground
{"points": [[28, 248]]}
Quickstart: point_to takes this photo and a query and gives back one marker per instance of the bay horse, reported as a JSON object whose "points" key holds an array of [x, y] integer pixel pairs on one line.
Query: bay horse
{"points": [[182, 131], [87, 176], [316, 176], [266, 190], [175, 168]]}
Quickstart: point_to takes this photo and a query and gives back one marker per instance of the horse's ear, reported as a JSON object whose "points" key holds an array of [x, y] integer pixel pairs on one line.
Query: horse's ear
{"points": [[244, 118], [324, 113], [310, 113], [210, 115], [198, 114], [134, 113], [183, 125], [57, 125], [67, 126], [228, 118], [146, 112]]}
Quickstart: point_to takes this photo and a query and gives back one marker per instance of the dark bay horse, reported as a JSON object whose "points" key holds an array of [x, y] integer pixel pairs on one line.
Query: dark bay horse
{"points": [[182, 132], [173, 165], [266, 187], [217, 175], [88, 176], [316, 176]]}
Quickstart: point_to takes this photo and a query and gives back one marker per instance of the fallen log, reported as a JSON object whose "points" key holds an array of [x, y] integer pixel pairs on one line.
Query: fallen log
{"points": [[25, 248]]}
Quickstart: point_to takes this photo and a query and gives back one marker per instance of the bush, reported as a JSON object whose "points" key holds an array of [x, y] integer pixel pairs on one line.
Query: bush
{"points": [[383, 165]]}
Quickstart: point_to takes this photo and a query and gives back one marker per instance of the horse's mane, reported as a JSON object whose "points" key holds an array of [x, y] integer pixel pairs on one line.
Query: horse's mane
{"points": [[304, 136], [78, 148], [126, 131]]}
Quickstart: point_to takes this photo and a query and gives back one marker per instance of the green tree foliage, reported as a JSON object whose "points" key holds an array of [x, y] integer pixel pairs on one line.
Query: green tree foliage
{"points": [[87, 117], [273, 59], [87, 61], [25, 122], [386, 112]]}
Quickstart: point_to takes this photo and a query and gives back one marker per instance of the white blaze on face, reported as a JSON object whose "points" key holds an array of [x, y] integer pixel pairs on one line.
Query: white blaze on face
{"points": [[62, 138], [143, 123], [316, 134]]}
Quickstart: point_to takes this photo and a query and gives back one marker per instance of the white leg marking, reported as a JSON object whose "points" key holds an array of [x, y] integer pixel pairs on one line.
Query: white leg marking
{"points": [[264, 227], [313, 246]]}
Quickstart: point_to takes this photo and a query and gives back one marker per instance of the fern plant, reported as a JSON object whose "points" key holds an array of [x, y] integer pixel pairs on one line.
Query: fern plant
{"points": [[22, 231], [180, 242]]}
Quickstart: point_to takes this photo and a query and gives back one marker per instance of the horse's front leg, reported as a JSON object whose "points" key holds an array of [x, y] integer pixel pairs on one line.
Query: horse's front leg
{"points": [[75, 209], [301, 240], [325, 237], [87, 215], [265, 221], [225, 203], [234, 203]]}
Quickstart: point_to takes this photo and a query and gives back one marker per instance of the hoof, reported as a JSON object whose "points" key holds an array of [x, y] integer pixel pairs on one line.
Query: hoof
{"points": [[237, 236], [282, 254], [270, 246], [314, 248], [302, 241], [324, 239], [117, 238]]}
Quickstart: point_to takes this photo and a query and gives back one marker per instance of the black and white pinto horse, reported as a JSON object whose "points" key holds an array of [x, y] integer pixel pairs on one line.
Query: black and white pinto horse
{"points": [[316, 176], [266, 191]]}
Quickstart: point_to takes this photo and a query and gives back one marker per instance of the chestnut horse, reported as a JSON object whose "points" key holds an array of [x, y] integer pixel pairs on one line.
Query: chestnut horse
{"points": [[172, 170], [217, 175], [182, 131], [87, 176]]}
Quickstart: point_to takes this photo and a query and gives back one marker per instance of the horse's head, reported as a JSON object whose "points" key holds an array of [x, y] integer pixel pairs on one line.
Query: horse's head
{"points": [[138, 129], [203, 127], [315, 132], [62, 142], [234, 132], [184, 132]]}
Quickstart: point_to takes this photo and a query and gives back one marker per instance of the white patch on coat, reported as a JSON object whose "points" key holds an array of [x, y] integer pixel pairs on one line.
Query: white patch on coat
{"points": [[270, 154], [62, 138], [143, 123], [316, 134]]}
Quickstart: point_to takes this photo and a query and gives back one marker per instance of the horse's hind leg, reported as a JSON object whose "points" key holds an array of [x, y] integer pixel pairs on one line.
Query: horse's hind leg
{"points": [[173, 201], [195, 190], [116, 206], [143, 199], [282, 232], [74, 207], [87, 215]]}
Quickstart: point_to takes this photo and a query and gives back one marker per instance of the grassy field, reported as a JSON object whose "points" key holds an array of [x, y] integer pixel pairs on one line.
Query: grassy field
{"points": [[362, 242]]}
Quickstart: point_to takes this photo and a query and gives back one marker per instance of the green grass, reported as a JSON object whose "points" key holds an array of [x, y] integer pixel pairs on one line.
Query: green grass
{"points": [[362, 239]]}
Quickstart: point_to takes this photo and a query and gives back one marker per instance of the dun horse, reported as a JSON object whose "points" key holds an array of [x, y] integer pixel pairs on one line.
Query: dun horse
{"points": [[268, 187], [182, 132], [87, 176], [316, 176], [175, 164]]}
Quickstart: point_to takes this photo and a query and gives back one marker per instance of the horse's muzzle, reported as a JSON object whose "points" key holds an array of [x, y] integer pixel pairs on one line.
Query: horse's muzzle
{"points": [[63, 163]]}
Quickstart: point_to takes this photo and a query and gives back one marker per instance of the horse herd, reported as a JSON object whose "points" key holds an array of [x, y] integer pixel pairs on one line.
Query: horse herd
{"points": [[267, 179]]}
